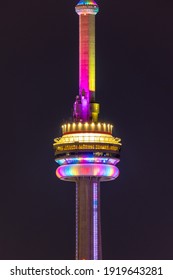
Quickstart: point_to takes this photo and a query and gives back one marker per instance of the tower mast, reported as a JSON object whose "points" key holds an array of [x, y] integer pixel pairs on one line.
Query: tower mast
{"points": [[85, 108], [87, 152]]}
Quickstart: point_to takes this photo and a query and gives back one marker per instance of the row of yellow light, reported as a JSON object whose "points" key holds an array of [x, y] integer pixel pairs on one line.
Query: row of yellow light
{"points": [[79, 125]]}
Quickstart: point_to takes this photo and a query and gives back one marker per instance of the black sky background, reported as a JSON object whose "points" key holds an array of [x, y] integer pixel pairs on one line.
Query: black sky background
{"points": [[134, 53]]}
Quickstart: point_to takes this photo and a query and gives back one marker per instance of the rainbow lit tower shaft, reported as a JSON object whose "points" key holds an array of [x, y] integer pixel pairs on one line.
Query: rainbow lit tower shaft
{"points": [[85, 108], [87, 153]]}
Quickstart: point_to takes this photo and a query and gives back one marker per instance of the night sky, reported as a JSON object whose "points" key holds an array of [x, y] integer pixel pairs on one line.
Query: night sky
{"points": [[134, 66]]}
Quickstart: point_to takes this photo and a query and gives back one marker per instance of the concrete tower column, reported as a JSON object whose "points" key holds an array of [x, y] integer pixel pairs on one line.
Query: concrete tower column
{"points": [[88, 233]]}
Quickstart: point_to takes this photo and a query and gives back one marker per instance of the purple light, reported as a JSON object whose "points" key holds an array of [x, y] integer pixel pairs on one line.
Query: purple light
{"points": [[95, 221], [77, 221]]}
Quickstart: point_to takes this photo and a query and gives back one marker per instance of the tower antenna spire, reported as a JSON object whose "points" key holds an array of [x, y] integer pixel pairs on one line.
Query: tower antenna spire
{"points": [[85, 107]]}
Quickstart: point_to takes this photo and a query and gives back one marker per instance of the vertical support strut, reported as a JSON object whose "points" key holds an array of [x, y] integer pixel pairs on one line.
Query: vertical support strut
{"points": [[76, 221], [92, 79], [95, 221], [84, 64]]}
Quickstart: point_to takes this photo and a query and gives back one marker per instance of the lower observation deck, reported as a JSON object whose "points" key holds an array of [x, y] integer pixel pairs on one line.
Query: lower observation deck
{"points": [[72, 172]]}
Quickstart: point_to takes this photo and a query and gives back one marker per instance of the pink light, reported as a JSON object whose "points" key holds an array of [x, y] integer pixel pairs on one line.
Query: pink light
{"points": [[104, 171]]}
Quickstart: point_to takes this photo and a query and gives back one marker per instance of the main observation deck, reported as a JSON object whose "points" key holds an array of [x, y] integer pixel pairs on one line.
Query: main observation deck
{"points": [[91, 137], [87, 146]]}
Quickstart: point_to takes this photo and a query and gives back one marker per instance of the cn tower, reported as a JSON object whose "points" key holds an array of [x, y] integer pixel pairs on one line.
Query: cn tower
{"points": [[87, 152]]}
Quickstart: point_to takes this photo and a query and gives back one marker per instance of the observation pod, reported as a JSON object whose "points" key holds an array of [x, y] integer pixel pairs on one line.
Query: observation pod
{"points": [[87, 153]]}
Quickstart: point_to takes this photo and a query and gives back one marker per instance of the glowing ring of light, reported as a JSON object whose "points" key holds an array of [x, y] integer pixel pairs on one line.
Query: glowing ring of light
{"points": [[87, 2], [87, 159], [70, 172]]}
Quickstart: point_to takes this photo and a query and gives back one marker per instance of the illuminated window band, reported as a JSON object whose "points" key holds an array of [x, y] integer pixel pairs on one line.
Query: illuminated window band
{"points": [[87, 127], [85, 159], [81, 147], [87, 138], [72, 171]]}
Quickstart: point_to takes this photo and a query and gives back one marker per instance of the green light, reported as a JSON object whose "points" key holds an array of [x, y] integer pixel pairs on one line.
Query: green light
{"points": [[87, 2]]}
